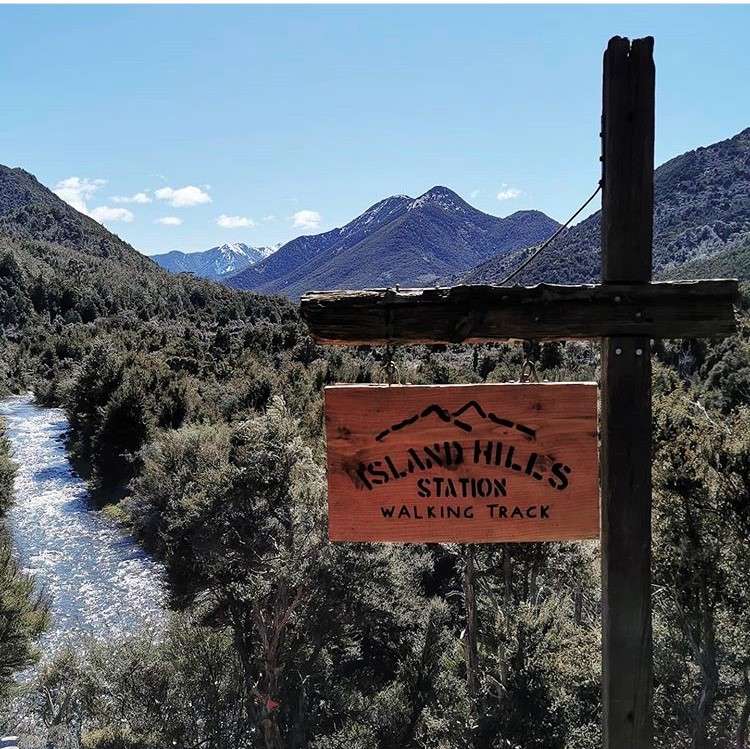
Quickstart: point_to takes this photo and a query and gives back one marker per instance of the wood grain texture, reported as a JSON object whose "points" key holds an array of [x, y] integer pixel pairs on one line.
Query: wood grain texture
{"points": [[475, 314], [491, 448], [627, 220]]}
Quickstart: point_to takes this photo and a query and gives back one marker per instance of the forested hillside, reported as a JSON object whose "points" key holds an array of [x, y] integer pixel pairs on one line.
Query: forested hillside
{"points": [[701, 214], [732, 261], [196, 414]]}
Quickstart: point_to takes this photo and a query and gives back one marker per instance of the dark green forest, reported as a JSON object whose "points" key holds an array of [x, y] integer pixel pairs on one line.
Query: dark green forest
{"points": [[196, 416]]}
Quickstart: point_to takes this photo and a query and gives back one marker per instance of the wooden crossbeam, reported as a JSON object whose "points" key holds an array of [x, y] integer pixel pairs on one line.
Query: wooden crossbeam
{"points": [[474, 314]]}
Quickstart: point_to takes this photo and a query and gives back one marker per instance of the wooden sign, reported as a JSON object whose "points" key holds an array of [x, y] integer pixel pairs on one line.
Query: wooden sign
{"points": [[454, 463]]}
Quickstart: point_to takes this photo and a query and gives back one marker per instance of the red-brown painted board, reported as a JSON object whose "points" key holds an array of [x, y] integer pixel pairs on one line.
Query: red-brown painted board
{"points": [[462, 463]]}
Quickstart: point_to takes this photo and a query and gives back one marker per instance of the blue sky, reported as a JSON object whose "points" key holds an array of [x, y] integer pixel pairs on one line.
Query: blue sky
{"points": [[181, 127]]}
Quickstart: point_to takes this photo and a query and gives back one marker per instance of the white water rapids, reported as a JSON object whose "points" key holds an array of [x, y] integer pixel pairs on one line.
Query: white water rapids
{"points": [[99, 581]]}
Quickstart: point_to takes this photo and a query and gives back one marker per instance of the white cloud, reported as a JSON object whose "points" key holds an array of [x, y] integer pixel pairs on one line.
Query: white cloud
{"points": [[76, 191], [508, 193], [168, 221], [183, 197], [106, 215], [234, 222], [307, 219], [140, 197], [270, 217]]}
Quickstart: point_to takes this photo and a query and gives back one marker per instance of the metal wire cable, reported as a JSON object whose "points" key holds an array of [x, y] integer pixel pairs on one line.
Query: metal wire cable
{"points": [[549, 240]]}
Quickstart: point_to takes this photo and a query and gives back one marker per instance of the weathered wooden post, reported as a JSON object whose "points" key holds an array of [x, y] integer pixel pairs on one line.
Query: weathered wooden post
{"points": [[625, 459]]}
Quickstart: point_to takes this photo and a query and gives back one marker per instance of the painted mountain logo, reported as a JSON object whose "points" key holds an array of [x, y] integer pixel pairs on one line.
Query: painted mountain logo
{"points": [[455, 418]]}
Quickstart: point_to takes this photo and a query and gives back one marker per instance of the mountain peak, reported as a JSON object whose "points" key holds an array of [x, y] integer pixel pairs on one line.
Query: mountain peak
{"points": [[441, 191], [230, 248], [441, 197]]}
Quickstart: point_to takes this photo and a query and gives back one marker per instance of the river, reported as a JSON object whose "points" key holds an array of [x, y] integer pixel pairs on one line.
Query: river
{"points": [[99, 581]]}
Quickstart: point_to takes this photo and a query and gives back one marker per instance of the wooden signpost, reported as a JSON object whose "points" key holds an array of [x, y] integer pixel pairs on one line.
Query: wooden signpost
{"points": [[625, 311], [477, 463]]}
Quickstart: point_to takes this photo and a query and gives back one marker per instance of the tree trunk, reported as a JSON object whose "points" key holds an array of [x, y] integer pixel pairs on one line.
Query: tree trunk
{"points": [[704, 708], [710, 674], [270, 690], [472, 656], [243, 643], [271, 732], [507, 575], [742, 729], [536, 567], [578, 606], [504, 664]]}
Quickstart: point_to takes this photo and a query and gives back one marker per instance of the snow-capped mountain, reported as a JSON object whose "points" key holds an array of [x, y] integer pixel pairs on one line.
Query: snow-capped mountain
{"points": [[409, 241], [217, 262]]}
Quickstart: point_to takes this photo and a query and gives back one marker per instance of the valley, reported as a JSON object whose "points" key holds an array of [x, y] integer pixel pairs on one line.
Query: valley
{"points": [[193, 412], [318, 430]]}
